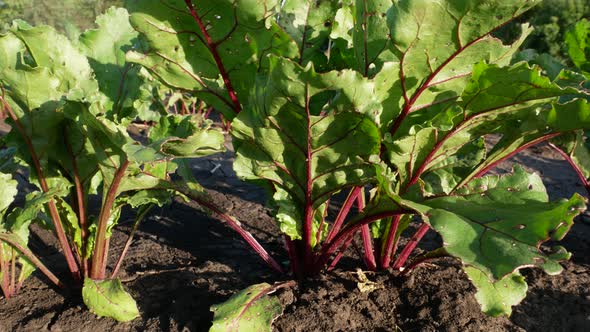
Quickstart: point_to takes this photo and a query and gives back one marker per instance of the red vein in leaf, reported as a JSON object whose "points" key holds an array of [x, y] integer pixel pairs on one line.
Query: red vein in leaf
{"points": [[284, 132], [257, 297], [198, 79], [453, 132], [410, 103], [308, 214], [438, 102], [338, 139], [304, 36], [237, 107]]}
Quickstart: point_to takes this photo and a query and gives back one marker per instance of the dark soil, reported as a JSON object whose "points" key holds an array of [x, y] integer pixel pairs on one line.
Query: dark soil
{"points": [[183, 261]]}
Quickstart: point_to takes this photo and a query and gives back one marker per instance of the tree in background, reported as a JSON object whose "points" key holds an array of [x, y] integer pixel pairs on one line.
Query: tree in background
{"points": [[551, 19]]}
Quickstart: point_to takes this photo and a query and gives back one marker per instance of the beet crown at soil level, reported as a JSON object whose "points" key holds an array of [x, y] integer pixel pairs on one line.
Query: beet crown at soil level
{"points": [[384, 102]]}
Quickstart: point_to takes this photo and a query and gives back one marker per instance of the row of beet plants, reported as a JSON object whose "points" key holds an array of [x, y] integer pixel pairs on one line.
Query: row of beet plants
{"points": [[383, 103]]}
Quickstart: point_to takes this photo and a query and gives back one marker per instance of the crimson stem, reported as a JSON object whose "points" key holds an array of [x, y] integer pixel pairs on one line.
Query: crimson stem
{"points": [[99, 256], [369, 254], [390, 243], [343, 213], [236, 226], [138, 219], [405, 254], [576, 168], [31, 257], [53, 212], [330, 248]]}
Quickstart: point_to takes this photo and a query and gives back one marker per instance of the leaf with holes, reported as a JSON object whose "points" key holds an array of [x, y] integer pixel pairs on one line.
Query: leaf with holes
{"points": [[252, 309], [497, 297], [497, 224]]}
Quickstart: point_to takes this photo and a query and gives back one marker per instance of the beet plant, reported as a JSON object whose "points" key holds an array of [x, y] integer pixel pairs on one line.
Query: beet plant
{"points": [[386, 103], [69, 105]]}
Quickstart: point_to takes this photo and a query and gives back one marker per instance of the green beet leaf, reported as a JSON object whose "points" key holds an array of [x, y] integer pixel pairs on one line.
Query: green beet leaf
{"points": [[67, 108], [107, 298], [309, 24], [292, 139], [438, 45], [105, 48], [497, 224], [497, 297], [178, 137], [70, 71], [214, 53], [250, 310]]}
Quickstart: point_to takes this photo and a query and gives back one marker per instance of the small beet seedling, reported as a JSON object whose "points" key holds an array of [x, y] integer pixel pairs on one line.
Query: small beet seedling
{"points": [[390, 102]]}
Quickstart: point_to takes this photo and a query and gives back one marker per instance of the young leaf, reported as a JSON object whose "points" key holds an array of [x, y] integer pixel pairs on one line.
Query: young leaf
{"points": [[178, 137], [498, 224], [497, 297], [107, 298], [250, 310]]}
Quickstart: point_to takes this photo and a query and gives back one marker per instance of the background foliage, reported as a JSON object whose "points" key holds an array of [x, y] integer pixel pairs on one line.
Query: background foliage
{"points": [[551, 19], [64, 15]]}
